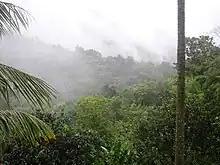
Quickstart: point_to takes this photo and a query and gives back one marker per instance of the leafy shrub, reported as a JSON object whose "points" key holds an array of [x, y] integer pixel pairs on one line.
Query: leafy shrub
{"points": [[116, 153], [59, 121], [68, 148], [154, 137], [98, 114], [78, 149]]}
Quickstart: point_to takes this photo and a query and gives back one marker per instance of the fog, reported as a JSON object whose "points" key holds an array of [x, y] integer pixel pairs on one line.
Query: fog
{"points": [[143, 29], [151, 24]]}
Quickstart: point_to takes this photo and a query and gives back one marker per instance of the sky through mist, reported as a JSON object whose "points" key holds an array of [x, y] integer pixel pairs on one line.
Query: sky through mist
{"points": [[88, 23]]}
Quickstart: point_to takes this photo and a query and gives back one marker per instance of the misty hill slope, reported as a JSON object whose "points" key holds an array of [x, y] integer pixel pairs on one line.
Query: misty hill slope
{"points": [[76, 73]]}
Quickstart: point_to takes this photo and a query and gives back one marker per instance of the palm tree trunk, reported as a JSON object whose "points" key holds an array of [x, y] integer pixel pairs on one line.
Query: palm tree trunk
{"points": [[180, 108], [1, 153]]}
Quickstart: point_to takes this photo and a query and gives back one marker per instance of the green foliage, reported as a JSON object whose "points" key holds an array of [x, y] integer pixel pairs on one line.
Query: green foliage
{"points": [[13, 19], [92, 113], [105, 116], [59, 121], [23, 126], [151, 93], [137, 125], [79, 149], [20, 125], [109, 91], [116, 154], [201, 52], [68, 148]]}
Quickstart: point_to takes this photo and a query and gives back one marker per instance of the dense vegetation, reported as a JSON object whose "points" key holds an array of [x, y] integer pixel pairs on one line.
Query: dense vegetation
{"points": [[77, 73], [131, 120], [17, 126]]}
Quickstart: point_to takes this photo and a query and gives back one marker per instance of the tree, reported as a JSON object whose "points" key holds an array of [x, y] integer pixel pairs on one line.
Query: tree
{"points": [[201, 52], [13, 124], [180, 108]]}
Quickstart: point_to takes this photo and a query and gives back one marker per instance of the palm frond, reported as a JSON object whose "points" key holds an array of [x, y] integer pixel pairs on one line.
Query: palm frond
{"points": [[12, 18], [23, 126], [36, 91]]}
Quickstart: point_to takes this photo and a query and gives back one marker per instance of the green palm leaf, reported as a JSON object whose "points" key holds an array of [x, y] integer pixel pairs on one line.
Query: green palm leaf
{"points": [[12, 19], [23, 126], [36, 91]]}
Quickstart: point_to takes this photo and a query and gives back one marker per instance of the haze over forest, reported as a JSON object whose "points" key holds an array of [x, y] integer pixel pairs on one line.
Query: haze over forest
{"points": [[134, 29]]}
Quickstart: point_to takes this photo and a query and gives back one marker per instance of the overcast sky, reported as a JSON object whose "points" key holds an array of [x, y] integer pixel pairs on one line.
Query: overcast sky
{"points": [[86, 22]]}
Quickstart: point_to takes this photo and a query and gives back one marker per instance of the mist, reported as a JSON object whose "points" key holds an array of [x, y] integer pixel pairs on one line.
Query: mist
{"points": [[89, 23], [142, 29]]}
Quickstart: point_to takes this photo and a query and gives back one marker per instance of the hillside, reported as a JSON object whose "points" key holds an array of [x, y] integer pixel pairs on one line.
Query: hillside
{"points": [[79, 72]]}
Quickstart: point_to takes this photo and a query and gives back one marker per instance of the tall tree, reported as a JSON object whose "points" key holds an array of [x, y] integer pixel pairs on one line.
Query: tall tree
{"points": [[180, 108], [13, 124]]}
